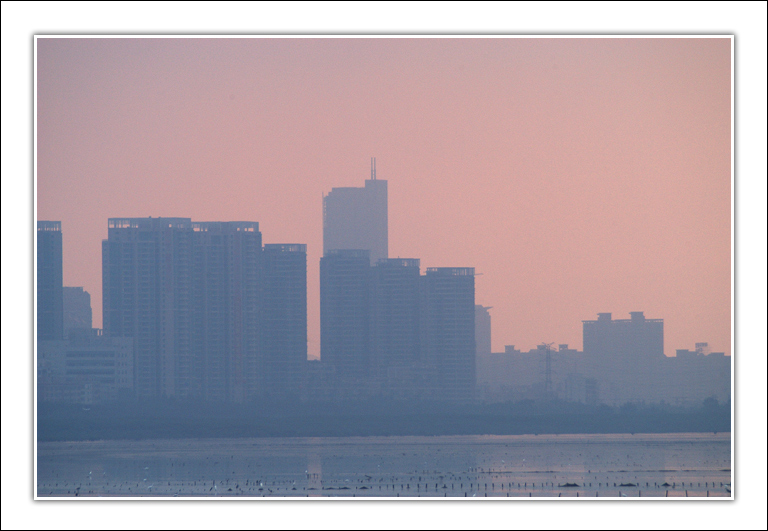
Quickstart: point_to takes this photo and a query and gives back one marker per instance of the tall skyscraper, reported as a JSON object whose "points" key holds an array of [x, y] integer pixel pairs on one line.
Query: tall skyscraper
{"points": [[284, 318], [50, 303], [394, 316], [448, 331], [356, 218], [226, 292], [344, 311], [147, 283], [189, 294]]}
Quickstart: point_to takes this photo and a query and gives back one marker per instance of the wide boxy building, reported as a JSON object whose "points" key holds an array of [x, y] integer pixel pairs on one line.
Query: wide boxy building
{"points": [[622, 355], [86, 368]]}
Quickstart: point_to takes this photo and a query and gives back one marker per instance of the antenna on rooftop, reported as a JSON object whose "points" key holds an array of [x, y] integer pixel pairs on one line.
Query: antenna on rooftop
{"points": [[373, 168]]}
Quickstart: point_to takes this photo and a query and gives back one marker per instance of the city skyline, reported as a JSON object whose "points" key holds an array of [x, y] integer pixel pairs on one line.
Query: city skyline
{"points": [[744, 23], [202, 311], [572, 190]]}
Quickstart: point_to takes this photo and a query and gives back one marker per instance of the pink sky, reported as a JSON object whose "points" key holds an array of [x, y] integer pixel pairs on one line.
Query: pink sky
{"points": [[577, 175]]}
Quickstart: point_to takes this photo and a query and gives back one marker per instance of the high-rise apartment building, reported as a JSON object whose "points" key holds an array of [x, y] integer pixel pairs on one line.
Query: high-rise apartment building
{"points": [[394, 326], [147, 291], [189, 294], [385, 328], [448, 331], [284, 318], [344, 311], [50, 303], [356, 218], [225, 308]]}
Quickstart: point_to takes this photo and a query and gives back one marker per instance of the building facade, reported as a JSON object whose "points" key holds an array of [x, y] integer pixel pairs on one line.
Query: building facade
{"points": [[622, 356], [86, 368], [147, 295], [394, 326], [344, 312], [189, 294], [50, 282], [284, 319], [226, 321], [448, 332]]}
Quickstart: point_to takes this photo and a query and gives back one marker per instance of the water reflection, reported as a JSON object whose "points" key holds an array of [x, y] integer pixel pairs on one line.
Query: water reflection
{"points": [[465, 466]]}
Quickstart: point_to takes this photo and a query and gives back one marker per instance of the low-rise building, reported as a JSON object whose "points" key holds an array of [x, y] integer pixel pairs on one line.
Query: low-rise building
{"points": [[87, 368]]}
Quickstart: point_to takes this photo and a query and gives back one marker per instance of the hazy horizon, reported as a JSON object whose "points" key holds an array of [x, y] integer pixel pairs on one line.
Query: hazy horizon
{"points": [[576, 175]]}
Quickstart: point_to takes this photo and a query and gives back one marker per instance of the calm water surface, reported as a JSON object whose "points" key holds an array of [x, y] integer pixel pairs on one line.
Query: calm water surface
{"points": [[658, 465]]}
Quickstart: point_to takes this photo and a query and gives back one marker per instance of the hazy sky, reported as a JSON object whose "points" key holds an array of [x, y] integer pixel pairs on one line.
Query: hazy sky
{"points": [[576, 175]]}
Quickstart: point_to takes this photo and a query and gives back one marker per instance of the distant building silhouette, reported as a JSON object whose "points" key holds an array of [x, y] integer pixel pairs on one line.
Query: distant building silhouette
{"points": [[695, 375], [385, 329], [50, 303], [344, 311], [482, 330], [634, 338], [394, 325], [621, 355], [623, 362], [86, 368], [77, 310], [190, 295], [284, 318], [448, 331], [517, 375], [147, 278], [319, 382], [356, 218], [226, 328]]}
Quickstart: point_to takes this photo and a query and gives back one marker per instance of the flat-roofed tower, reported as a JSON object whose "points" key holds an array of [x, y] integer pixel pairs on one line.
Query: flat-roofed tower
{"points": [[344, 311], [621, 355], [50, 302], [447, 330], [284, 318], [394, 315]]}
